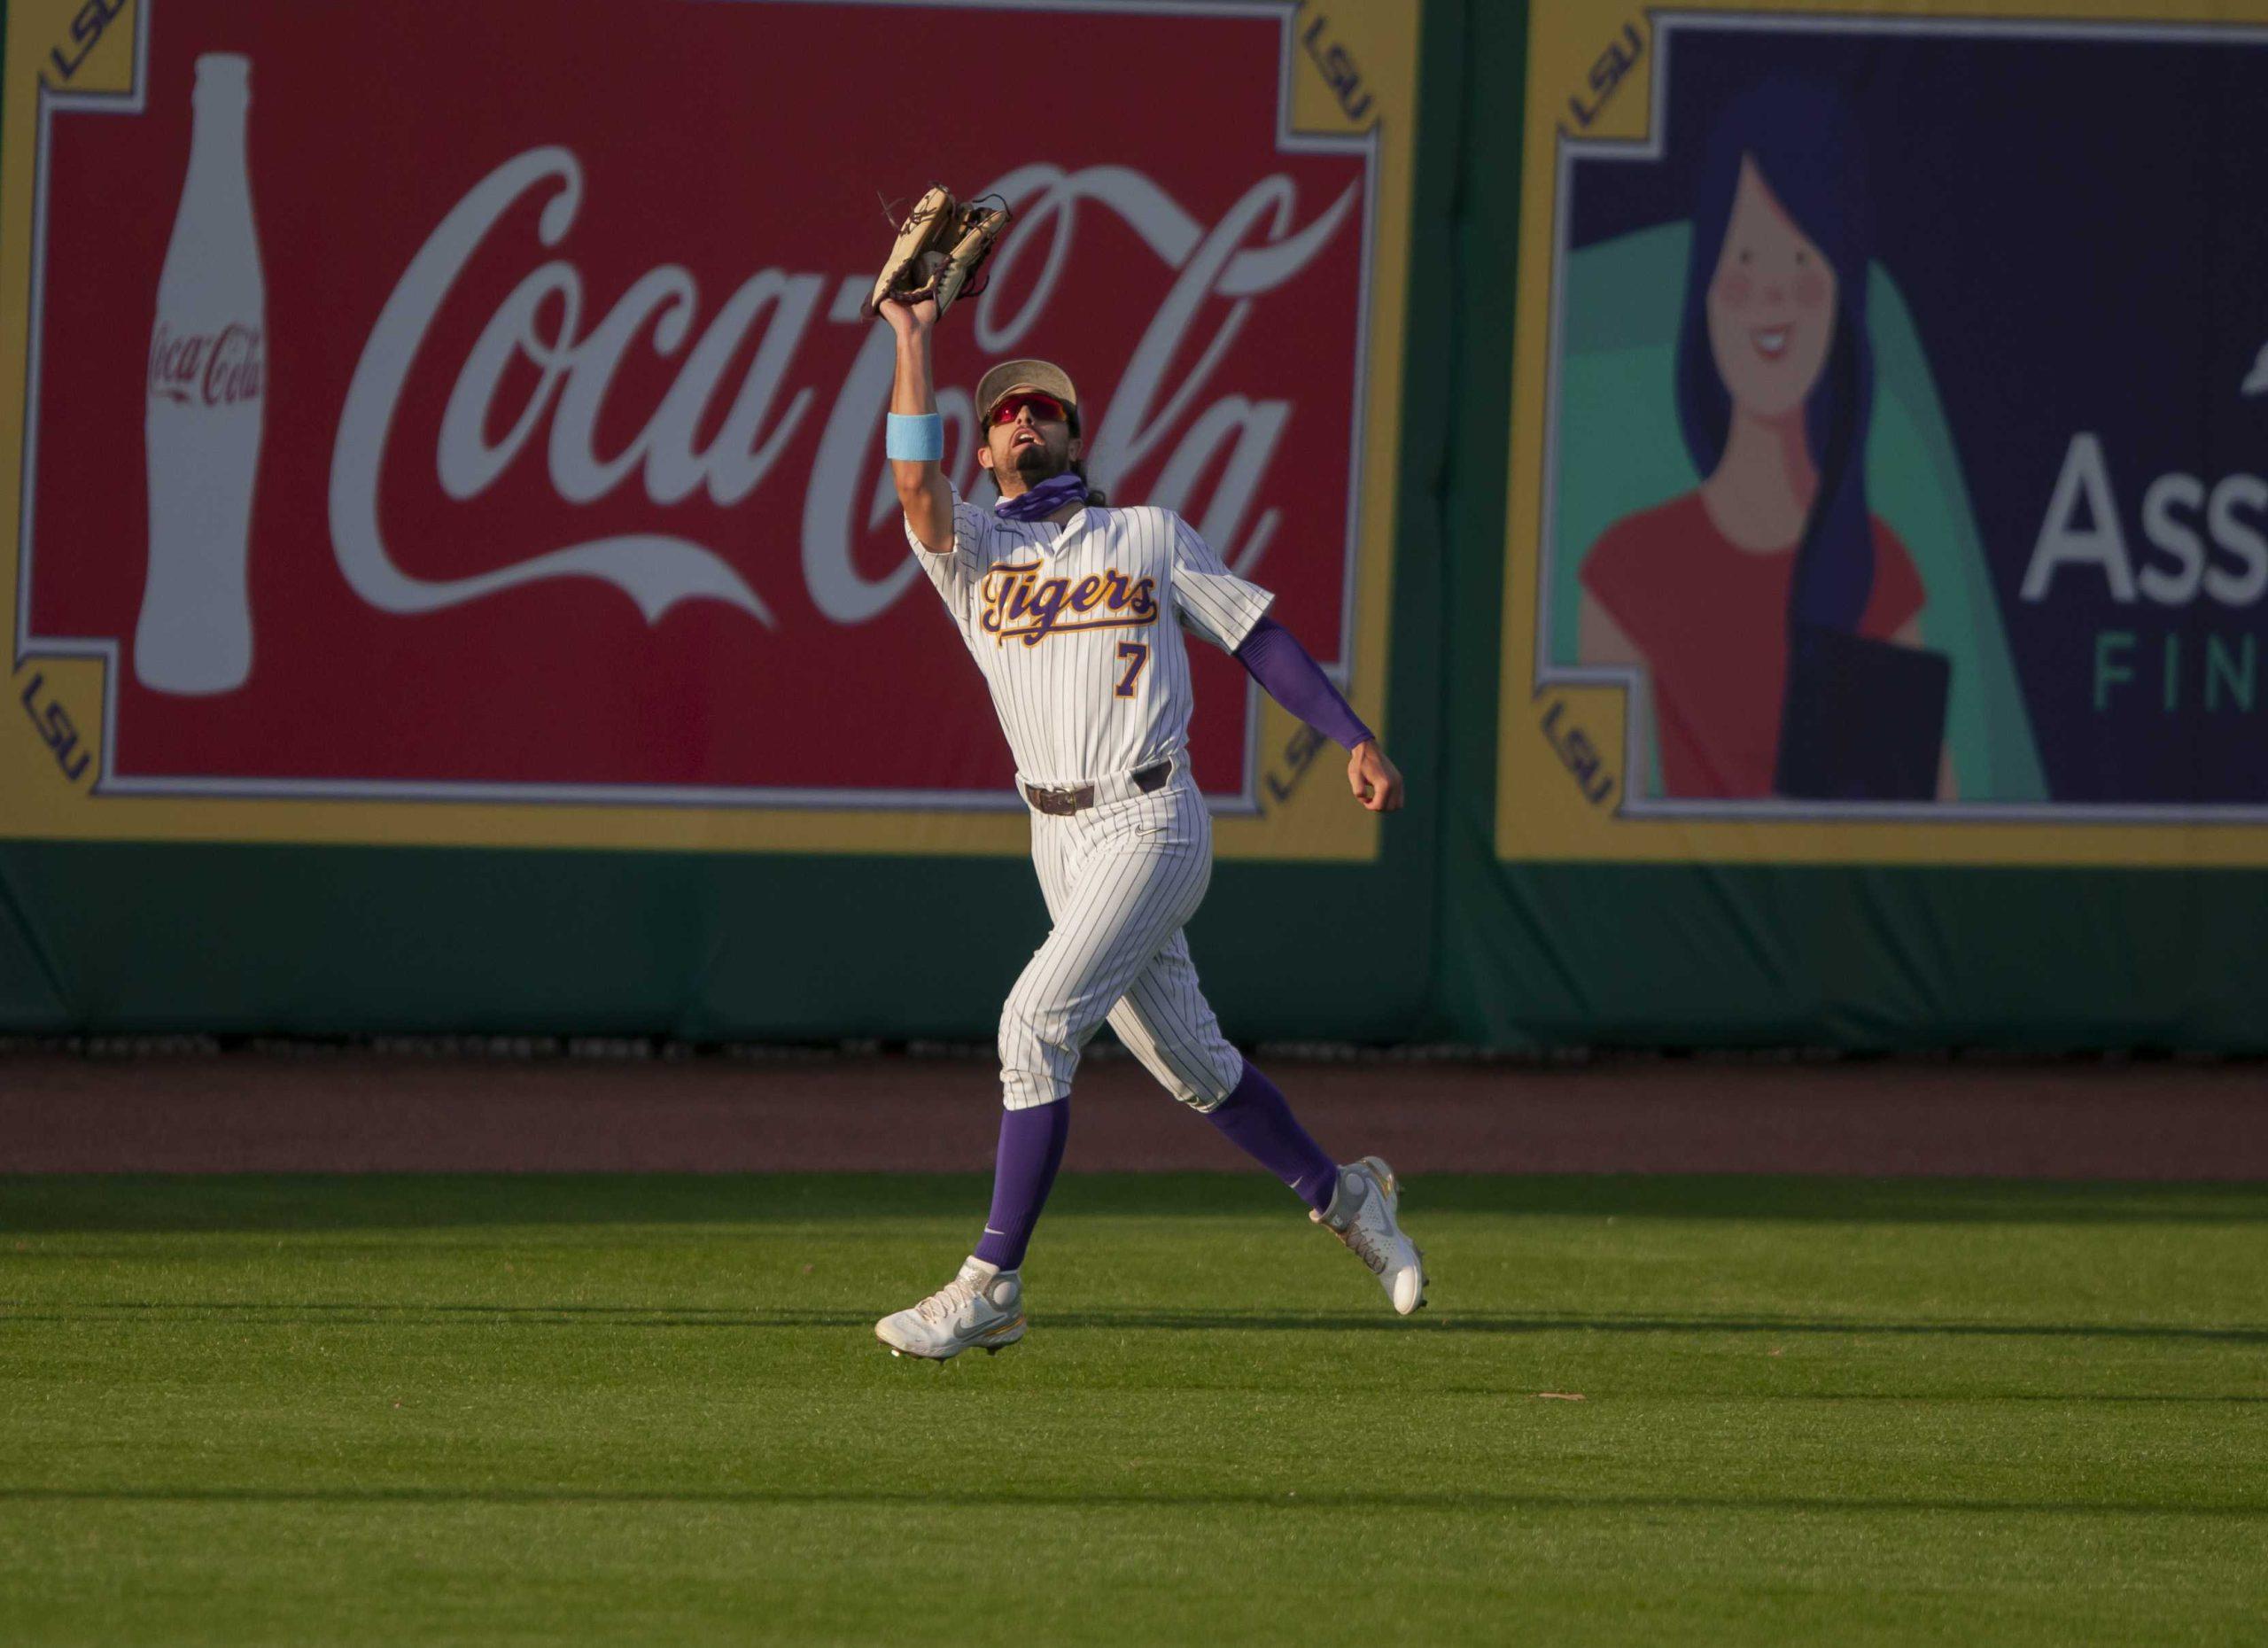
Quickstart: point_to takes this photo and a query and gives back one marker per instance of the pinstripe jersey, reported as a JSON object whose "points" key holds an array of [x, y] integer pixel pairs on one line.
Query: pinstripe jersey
{"points": [[1077, 627]]}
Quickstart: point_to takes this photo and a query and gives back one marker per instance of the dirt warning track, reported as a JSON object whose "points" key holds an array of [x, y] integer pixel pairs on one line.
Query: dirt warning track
{"points": [[356, 1112]]}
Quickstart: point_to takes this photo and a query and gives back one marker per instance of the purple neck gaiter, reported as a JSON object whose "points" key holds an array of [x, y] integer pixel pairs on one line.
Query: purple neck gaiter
{"points": [[1043, 500]]}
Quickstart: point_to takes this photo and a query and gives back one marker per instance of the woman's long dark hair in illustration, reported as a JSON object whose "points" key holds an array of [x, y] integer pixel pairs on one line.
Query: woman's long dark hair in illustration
{"points": [[1802, 142]]}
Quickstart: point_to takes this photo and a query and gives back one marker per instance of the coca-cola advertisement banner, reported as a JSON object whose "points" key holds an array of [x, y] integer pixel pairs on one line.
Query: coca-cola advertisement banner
{"points": [[1890, 401], [463, 425]]}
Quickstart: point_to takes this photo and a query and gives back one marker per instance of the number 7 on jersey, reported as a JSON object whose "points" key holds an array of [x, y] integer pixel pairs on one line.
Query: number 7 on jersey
{"points": [[1139, 653]]}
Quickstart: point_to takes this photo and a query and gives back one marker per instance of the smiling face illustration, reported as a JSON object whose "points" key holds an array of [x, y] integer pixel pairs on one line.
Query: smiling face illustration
{"points": [[1771, 304]]}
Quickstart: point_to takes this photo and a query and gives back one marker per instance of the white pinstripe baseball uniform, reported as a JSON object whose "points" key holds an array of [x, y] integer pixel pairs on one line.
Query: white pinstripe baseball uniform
{"points": [[1077, 627]]}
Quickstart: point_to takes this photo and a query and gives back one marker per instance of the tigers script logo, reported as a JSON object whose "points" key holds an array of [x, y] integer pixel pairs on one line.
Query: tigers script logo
{"points": [[1019, 603]]}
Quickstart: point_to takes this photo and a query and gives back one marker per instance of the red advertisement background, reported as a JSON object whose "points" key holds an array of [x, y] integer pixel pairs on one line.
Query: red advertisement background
{"points": [[724, 137]]}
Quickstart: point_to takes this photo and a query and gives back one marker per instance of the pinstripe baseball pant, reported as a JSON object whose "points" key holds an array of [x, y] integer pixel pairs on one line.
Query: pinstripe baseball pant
{"points": [[1120, 878]]}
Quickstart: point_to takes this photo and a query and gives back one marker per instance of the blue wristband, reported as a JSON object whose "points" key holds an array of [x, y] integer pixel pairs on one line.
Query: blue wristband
{"points": [[920, 439]]}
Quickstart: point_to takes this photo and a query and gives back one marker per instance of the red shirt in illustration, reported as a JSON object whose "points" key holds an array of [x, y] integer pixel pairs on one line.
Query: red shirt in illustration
{"points": [[1712, 619]]}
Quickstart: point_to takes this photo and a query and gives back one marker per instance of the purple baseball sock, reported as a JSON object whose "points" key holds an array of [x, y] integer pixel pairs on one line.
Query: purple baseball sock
{"points": [[1031, 1148], [1260, 1123]]}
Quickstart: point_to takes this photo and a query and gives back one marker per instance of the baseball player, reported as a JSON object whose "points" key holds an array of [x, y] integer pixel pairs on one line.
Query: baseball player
{"points": [[1074, 612]]}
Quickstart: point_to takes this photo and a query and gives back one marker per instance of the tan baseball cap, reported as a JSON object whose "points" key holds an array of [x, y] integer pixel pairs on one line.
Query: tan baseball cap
{"points": [[1013, 376]]}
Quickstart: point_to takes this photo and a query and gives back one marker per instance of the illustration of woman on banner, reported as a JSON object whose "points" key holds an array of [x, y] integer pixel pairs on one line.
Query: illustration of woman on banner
{"points": [[1776, 618]]}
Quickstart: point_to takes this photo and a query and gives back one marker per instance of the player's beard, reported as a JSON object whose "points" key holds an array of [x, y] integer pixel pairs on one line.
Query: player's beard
{"points": [[1041, 460]]}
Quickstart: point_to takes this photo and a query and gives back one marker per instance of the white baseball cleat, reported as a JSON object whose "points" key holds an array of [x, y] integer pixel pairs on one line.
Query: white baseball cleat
{"points": [[982, 1308], [1361, 1215]]}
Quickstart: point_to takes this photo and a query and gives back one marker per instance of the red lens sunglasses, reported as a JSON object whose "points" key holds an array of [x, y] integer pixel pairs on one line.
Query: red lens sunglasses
{"points": [[1043, 409]]}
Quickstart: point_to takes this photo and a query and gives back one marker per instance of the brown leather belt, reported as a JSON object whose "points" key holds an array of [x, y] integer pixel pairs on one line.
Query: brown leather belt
{"points": [[1070, 799]]}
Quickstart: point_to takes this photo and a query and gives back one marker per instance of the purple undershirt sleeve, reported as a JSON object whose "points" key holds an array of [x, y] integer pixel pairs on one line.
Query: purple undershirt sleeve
{"points": [[1275, 659]]}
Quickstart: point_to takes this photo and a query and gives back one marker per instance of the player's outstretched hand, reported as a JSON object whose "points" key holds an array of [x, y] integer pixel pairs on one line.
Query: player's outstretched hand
{"points": [[910, 318], [1376, 781]]}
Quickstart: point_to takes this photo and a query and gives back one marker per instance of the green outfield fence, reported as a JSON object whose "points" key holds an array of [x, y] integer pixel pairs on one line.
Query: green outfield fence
{"points": [[1438, 940]]}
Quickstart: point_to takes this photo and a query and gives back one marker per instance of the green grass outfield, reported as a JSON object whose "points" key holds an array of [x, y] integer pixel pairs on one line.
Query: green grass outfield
{"points": [[394, 1410]]}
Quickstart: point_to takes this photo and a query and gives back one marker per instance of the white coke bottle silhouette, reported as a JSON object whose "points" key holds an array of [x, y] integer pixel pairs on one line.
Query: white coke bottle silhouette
{"points": [[208, 366]]}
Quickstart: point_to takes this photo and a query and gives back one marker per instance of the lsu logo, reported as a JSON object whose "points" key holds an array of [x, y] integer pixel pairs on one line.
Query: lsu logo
{"points": [[1019, 603]]}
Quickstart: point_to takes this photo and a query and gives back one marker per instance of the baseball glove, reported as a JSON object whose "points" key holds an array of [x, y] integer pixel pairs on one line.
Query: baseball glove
{"points": [[940, 246]]}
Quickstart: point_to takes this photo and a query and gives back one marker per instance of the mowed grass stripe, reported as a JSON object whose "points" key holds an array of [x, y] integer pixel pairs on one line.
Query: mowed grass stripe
{"points": [[376, 1410]]}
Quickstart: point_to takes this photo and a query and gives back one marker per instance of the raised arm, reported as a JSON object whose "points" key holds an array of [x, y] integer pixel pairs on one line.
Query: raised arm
{"points": [[923, 492]]}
